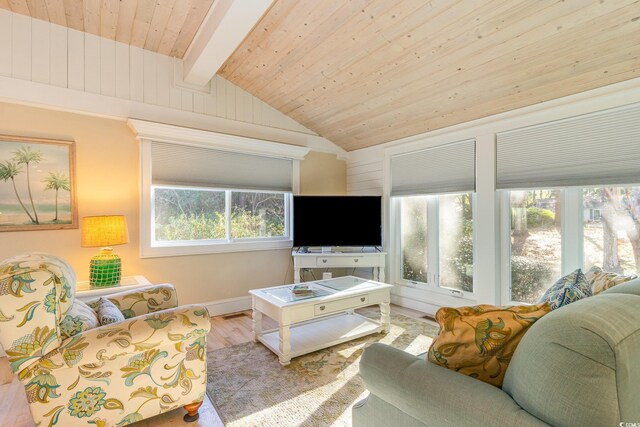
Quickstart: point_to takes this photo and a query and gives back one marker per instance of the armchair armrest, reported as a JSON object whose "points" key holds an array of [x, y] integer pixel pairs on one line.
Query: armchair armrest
{"points": [[435, 395], [145, 300], [142, 334]]}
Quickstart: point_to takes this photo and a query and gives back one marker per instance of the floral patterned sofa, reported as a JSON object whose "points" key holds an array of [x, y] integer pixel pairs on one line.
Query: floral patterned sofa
{"points": [[110, 375]]}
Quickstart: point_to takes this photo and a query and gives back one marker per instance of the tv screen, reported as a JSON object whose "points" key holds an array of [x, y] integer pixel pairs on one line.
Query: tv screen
{"points": [[337, 221]]}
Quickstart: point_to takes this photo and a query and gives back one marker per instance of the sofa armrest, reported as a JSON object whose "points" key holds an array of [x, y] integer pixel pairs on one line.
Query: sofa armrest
{"points": [[142, 334], [436, 395], [145, 300]]}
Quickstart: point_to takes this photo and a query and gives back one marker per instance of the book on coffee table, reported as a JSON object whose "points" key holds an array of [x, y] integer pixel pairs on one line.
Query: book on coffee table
{"points": [[301, 289]]}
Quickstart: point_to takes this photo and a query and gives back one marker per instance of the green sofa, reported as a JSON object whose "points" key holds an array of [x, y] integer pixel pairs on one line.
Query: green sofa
{"points": [[577, 366]]}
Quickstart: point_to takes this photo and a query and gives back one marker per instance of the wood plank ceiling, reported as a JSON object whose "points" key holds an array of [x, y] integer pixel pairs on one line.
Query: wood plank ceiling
{"points": [[364, 72], [163, 26]]}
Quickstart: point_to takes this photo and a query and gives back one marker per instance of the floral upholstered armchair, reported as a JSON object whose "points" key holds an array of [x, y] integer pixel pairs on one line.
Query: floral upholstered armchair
{"points": [[76, 373]]}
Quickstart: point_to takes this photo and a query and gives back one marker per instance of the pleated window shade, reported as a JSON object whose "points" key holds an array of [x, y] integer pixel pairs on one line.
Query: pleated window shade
{"points": [[601, 148], [443, 169], [174, 164]]}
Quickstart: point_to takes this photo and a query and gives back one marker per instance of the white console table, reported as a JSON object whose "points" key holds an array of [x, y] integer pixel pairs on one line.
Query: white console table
{"points": [[375, 260]]}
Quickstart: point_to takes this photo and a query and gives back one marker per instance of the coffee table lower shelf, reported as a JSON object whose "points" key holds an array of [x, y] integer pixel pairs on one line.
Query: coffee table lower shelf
{"points": [[314, 335]]}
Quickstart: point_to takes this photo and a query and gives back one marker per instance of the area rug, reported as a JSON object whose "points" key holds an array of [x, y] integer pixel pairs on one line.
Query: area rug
{"points": [[248, 386]]}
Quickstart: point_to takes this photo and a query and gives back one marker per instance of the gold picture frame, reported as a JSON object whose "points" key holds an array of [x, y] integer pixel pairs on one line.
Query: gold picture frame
{"points": [[37, 184]]}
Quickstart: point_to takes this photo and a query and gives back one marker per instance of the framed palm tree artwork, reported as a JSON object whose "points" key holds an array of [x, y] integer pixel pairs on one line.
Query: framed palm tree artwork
{"points": [[37, 184]]}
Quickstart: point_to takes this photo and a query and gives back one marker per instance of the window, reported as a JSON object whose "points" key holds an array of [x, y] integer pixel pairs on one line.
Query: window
{"points": [[601, 228], [204, 192], [436, 240], [592, 220], [200, 214], [415, 250], [535, 243], [188, 214], [258, 215], [612, 228], [433, 191], [456, 241]]}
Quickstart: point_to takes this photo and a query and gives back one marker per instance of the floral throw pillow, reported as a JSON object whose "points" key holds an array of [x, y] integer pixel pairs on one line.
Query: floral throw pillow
{"points": [[79, 318], [107, 311], [567, 289], [480, 341], [601, 280]]}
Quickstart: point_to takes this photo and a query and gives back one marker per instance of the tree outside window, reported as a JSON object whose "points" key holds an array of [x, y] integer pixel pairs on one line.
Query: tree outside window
{"points": [[612, 228]]}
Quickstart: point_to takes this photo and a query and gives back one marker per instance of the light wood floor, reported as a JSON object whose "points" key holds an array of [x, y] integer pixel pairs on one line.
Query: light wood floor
{"points": [[226, 331]]}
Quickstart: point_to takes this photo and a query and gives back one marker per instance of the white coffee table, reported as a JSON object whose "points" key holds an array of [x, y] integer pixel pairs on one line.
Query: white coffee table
{"points": [[307, 324]]}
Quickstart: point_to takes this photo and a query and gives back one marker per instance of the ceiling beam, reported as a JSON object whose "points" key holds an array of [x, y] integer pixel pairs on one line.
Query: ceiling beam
{"points": [[225, 27]]}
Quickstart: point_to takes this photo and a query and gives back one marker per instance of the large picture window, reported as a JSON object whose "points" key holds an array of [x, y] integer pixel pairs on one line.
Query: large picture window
{"points": [[553, 232], [436, 240]]}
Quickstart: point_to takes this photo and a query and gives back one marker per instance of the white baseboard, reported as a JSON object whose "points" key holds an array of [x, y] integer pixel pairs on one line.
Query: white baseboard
{"points": [[413, 304], [230, 305]]}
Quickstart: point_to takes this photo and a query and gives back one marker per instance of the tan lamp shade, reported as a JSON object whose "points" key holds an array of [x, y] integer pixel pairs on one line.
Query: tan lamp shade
{"points": [[106, 230]]}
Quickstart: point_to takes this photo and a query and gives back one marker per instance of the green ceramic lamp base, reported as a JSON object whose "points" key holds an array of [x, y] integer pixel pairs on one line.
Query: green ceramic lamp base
{"points": [[105, 269]]}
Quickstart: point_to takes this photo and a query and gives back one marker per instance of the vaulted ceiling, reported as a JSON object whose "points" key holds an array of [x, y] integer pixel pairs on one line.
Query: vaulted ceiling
{"points": [[364, 72], [163, 26]]}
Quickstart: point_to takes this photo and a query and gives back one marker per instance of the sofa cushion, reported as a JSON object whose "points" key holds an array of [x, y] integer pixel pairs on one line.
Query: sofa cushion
{"points": [[601, 280], [479, 341], [107, 311], [79, 318], [567, 289]]}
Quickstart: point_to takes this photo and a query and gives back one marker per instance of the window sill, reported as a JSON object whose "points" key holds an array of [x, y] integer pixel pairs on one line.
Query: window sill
{"points": [[171, 250], [435, 296]]}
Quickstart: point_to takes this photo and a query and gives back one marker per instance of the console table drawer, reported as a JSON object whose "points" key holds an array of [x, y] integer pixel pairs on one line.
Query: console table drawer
{"points": [[339, 305], [350, 261]]}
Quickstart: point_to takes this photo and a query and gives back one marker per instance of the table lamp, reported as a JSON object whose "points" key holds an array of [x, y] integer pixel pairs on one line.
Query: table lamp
{"points": [[104, 231]]}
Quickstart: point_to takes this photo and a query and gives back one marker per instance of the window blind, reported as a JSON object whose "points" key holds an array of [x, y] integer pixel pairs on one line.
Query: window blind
{"points": [[174, 164], [446, 168], [601, 148]]}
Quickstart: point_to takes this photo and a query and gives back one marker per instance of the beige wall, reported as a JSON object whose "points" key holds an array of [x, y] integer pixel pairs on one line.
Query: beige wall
{"points": [[107, 158], [323, 174]]}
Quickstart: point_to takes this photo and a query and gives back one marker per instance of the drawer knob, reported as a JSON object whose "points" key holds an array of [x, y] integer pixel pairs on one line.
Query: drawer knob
{"points": [[355, 260], [363, 299], [324, 260], [322, 307]]}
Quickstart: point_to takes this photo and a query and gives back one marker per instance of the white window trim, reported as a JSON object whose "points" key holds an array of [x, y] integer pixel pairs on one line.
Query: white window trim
{"points": [[148, 132]]}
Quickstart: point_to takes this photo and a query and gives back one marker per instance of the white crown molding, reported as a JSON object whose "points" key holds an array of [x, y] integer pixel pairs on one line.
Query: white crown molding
{"points": [[42, 95], [161, 132]]}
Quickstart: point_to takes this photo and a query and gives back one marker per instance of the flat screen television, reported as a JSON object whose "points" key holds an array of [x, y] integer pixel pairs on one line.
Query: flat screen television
{"points": [[337, 221]]}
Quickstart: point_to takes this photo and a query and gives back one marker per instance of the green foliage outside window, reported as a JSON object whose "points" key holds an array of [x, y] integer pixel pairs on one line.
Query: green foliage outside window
{"points": [[529, 278], [538, 217], [187, 214]]}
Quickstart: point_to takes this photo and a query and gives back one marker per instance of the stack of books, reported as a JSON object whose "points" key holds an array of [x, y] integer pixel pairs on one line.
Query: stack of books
{"points": [[302, 290]]}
